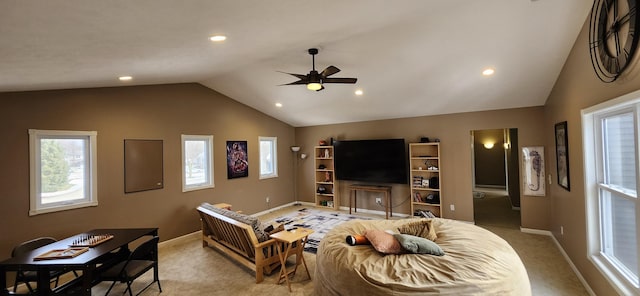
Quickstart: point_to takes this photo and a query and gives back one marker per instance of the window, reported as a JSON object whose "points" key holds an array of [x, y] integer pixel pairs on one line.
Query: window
{"points": [[610, 133], [268, 157], [62, 170], [197, 162]]}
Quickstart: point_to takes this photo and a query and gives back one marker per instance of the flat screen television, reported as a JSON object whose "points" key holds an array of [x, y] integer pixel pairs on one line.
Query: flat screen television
{"points": [[375, 161]]}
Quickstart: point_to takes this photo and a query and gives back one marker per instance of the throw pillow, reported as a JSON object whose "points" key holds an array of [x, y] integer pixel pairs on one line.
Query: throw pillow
{"points": [[422, 228], [418, 245], [271, 230], [383, 242]]}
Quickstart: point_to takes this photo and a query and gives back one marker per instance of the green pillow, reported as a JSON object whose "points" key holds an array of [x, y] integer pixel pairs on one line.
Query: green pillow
{"points": [[418, 245]]}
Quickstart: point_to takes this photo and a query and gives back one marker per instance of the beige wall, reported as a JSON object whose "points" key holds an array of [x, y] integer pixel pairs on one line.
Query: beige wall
{"points": [[146, 112], [454, 132], [578, 88]]}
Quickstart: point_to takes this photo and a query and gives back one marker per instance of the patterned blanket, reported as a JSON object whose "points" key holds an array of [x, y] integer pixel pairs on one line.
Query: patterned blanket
{"points": [[320, 221]]}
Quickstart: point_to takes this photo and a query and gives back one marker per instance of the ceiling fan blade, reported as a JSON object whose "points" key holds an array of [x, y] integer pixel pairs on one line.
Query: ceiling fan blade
{"points": [[330, 71], [339, 80], [299, 76], [301, 81]]}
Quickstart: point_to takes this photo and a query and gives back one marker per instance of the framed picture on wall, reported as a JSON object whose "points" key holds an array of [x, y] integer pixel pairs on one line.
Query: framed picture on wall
{"points": [[237, 159], [533, 171], [562, 155]]}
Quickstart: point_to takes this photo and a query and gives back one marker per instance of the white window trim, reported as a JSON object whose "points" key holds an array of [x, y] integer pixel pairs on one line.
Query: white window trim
{"points": [[210, 182], [36, 207], [274, 142], [590, 126]]}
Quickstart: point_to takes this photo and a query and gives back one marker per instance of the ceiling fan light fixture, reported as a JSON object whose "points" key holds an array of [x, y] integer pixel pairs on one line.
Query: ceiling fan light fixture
{"points": [[314, 86], [488, 71], [218, 38], [315, 80]]}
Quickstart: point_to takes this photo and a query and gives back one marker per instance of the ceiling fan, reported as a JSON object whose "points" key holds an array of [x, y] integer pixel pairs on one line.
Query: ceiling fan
{"points": [[315, 80]]}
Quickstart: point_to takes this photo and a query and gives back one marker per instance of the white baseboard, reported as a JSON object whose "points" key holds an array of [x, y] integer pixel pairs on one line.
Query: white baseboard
{"points": [[303, 203], [536, 231], [180, 239]]}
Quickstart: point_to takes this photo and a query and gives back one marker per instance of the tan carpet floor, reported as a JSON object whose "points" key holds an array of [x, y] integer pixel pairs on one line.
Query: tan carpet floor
{"points": [[186, 268]]}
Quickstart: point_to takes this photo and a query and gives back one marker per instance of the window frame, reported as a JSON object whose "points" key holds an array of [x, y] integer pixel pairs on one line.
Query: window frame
{"points": [[209, 183], [35, 192], [594, 174], [274, 149]]}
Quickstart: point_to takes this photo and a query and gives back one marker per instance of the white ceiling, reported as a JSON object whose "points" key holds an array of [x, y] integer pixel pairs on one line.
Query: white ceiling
{"points": [[411, 57]]}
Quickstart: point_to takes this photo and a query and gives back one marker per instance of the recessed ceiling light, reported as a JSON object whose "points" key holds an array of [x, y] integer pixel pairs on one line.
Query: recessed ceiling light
{"points": [[358, 92], [125, 78], [488, 71], [218, 38], [279, 105]]}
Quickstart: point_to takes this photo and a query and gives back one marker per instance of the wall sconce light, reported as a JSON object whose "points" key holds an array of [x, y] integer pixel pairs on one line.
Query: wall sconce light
{"points": [[488, 145], [295, 148]]}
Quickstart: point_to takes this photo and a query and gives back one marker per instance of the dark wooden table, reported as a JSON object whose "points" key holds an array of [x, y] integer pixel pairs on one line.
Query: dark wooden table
{"points": [[87, 262], [386, 190]]}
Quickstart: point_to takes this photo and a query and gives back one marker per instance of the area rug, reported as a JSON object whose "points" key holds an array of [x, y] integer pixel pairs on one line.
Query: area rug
{"points": [[320, 221]]}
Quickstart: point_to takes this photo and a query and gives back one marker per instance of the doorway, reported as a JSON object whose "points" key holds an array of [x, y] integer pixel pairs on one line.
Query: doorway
{"points": [[496, 190]]}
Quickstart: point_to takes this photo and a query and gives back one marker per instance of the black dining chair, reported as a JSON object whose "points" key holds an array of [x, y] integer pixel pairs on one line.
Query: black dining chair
{"points": [[29, 276], [141, 260]]}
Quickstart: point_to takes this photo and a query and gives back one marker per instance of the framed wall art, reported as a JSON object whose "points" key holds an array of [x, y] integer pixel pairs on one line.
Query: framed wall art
{"points": [[237, 159], [562, 155], [533, 171]]}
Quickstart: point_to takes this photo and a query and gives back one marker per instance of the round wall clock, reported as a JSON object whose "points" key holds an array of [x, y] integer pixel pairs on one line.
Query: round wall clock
{"points": [[612, 37]]}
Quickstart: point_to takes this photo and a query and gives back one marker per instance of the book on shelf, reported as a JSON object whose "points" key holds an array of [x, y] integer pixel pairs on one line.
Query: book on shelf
{"points": [[425, 214], [417, 197]]}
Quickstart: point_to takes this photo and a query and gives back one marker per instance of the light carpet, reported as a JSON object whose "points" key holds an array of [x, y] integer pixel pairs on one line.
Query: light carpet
{"points": [[187, 268], [319, 221]]}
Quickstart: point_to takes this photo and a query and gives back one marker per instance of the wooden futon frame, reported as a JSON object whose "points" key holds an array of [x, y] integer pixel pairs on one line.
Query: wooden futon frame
{"points": [[238, 241]]}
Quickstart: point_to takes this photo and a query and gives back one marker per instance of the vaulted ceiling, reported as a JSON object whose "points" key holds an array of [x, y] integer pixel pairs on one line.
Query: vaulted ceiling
{"points": [[411, 57]]}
